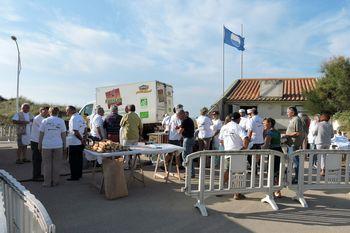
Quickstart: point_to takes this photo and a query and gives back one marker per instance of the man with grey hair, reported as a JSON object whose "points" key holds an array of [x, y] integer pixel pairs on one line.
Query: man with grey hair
{"points": [[97, 131], [174, 125], [23, 121], [295, 134], [75, 140]]}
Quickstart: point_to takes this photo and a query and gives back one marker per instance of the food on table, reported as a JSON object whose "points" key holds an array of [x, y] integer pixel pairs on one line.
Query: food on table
{"points": [[106, 146]]}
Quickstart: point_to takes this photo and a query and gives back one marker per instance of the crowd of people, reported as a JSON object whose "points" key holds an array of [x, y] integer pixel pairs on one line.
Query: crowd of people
{"points": [[50, 140], [245, 129], [52, 143]]}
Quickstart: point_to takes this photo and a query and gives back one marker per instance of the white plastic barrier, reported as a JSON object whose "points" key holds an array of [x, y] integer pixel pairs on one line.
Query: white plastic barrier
{"points": [[310, 178], [210, 180], [24, 213]]}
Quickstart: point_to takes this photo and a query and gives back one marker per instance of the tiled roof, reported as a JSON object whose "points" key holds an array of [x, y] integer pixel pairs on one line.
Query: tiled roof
{"points": [[293, 88]]}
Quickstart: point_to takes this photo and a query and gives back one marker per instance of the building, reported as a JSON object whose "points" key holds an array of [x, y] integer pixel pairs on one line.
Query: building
{"points": [[271, 97]]}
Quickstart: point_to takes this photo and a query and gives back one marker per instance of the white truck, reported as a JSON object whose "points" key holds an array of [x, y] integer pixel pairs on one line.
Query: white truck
{"points": [[152, 100]]}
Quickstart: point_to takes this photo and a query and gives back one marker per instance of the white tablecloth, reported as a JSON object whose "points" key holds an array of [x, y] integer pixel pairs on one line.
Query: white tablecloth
{"points": [[140, 148], [341, 142]]}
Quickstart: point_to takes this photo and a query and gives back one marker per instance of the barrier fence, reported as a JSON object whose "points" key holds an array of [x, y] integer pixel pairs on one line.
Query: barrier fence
{"points": [[336, 176], [229, 172], [7, 132], [24, 213]]}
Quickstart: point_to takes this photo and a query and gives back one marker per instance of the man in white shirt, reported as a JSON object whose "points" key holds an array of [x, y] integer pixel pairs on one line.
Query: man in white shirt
{"points": [[52, 144], [97, 131], [34, 143], [174, 135], [205, 133], [23, 120], [165, 123], [174, 125], [233, 137], [216, 127], [255, 129], [75, 141], [244, 119]]}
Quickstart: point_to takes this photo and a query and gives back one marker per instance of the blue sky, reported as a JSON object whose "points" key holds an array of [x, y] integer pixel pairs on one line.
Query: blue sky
{"points": [[69, 48]]}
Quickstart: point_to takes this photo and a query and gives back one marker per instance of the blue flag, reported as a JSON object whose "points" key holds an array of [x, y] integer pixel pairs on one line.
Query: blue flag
{"points": [[233, 39]]}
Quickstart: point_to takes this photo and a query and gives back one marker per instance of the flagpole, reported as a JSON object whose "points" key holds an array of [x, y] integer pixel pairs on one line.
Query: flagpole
{"points": [[223, 60], [242, 53]]}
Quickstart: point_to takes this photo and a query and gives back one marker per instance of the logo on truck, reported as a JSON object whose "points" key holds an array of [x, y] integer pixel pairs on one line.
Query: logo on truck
{"points": [[143, 89], [113, 98]]}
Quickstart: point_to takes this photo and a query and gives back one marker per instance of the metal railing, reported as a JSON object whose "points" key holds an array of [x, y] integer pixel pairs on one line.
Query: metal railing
{"points": [[336, 171], [24, 213], [7, 132], [226, 172], [210, 179]]}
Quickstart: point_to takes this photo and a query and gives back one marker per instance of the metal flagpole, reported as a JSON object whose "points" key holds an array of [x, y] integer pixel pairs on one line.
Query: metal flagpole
{"points": [[223, 61], [242, 53]]}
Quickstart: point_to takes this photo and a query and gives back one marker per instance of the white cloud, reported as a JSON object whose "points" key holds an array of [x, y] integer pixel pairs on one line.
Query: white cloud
{"points": [[179, 42], [8, 12]]}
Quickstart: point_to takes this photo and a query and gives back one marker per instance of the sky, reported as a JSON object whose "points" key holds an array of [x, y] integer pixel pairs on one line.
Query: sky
{"points": [[68, 48]]}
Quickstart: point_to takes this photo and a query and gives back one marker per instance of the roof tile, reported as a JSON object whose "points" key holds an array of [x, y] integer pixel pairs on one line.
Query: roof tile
{"points": [[293, 88]]}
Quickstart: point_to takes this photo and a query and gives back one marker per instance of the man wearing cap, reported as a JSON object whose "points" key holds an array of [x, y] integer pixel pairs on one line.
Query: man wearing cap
{"points": [[244, 119], [112, 124], [34, 143]]}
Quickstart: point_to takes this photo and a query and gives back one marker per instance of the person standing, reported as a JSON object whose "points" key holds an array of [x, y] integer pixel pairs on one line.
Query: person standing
{"points": [[75, 140], [174, 125], [217, 124], [295, 133], [23, 121], [112, 125], [273, 141], [165, 123], [255, 129], [97, 131], [186, 129], [204, 131], [132, 127], [311, 137], [324, 133], [52, 144], [233, 137], [34, 143], [244, 119]]}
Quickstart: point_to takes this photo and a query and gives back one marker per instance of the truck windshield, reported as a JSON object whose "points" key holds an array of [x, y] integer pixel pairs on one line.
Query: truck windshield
{"points": [[87, 110]]}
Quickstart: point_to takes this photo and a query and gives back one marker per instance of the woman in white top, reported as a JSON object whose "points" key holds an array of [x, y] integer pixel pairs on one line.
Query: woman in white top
{"points": [[204, 131], [52, 143]]}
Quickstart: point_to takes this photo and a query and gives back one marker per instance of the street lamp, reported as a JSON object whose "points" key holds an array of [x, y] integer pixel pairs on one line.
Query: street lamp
{"points": [[18, 72]]}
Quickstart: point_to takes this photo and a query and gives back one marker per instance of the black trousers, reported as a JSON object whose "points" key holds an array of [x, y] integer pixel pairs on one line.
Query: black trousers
{"points": [[76, 161], [36, 159]]}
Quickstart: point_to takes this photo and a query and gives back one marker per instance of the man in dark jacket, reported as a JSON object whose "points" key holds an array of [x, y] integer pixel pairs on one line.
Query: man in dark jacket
{"points": [[112, 124]]}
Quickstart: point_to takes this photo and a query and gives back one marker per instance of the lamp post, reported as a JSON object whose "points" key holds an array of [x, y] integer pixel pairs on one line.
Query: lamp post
{"points": [[18, 72]]}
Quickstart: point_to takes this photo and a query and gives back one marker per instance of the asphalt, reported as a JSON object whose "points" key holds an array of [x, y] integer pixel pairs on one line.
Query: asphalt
{"points": [[78, 207]]}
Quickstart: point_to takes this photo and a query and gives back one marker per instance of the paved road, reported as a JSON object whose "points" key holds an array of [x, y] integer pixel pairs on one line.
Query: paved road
{"points": [[77, 207]]}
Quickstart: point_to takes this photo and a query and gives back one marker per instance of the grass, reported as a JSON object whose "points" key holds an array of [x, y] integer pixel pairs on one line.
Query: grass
{"points": [[8, 109]]}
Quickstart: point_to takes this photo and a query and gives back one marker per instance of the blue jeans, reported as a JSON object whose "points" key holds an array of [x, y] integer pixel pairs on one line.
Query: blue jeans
{"points": [[188, 144]]}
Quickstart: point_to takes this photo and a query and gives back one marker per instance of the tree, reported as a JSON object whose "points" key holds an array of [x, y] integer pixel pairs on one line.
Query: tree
{"points": [[332, 92]]}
